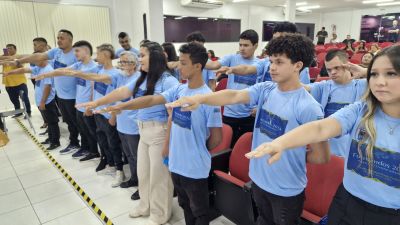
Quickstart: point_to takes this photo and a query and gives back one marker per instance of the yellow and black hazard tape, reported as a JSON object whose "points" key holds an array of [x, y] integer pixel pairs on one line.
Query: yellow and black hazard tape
{"points": [[82, 193]]}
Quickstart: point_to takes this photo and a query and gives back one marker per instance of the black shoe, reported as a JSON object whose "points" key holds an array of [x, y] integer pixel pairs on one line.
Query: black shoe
{"points": [[53, 146], [45, 142], [17, 115], [44, 133], [27, 115], [129, 183], [90, 156], [101, 165], [135, 196]]}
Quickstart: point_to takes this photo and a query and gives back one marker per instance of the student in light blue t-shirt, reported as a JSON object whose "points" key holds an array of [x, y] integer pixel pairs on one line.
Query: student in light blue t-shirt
{"points": [[337, 93], [65, 86], [370, 193], [155, 184], [278, 189], [125, 42]]}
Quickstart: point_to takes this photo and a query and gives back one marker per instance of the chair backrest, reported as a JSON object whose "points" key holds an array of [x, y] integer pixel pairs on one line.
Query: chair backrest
{"points": [[226, 139], [314, 72], [221, 84], [385, 44], [319, 49], [321, 59], [323, 181], [357, 57], [322, 78], [238, 163]]}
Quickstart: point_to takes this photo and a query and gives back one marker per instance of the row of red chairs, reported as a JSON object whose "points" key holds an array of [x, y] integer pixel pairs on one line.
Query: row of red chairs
{"points": [[232, 186]]}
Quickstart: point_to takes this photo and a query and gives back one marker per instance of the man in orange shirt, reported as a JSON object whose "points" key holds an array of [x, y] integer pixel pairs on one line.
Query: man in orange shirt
{"points": [[14, 84]]}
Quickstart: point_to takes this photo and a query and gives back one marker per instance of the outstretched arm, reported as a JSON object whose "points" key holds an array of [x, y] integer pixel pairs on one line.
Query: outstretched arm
{"points": [[114, 96], [16, 71], [137, 103]]}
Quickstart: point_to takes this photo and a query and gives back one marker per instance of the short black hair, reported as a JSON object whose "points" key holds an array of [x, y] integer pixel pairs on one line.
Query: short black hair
{"points": [[11, 45], [341, 54], [285, 27], [297, 47], [323, 28], [197, 52], [107, 47], [122, 35], [66, 31], [195, 36], [40, 39], [145, 41], [84, 43], [250, 35]]}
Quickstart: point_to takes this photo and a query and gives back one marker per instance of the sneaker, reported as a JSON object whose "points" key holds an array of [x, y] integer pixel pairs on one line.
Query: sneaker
{"points": [[80, 153], [44, 133], [90, 156], [102, 165], [129, 183], [69, 149], [138, 213], [135, 196], [109, 170], [119, 178], [27, 115], [53, 147], [44, 126], [45, 142]]}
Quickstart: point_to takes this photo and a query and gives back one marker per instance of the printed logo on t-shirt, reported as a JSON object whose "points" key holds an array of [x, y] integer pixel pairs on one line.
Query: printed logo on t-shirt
{"points": [[100, 88], [247, 80], [270, 124], [385, 165], [182, 119], [333, 107], [58, 64], [81, 82]]}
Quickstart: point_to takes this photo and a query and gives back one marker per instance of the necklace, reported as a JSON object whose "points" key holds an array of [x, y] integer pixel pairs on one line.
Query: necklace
{"points": [[391, 129]]}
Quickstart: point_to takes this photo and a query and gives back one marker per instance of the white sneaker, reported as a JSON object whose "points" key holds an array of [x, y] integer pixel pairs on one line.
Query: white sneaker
{"points": [[138, 213], [119, 178], [109, 170]]}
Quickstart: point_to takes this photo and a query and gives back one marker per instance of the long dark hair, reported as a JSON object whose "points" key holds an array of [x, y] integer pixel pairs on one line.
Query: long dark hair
{"points": [[169, 48], [157, 66]]}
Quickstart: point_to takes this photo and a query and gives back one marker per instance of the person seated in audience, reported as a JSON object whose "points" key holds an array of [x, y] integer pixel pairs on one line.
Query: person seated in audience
{"points": [[125, 42], [366, 59], [349, 49], [374, 48], [336, 93], [369, 194], [211, 55], [348, 40], [170, 52], [361, 47], [45, 99], [283, 105], [334, 39]]}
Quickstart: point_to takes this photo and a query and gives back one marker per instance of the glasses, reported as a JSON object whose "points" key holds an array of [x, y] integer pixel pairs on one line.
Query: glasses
{"points": [[124, 63]]}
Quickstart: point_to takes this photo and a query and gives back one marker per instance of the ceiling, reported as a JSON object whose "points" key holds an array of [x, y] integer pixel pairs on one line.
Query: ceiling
{"points": [[326, 5]]}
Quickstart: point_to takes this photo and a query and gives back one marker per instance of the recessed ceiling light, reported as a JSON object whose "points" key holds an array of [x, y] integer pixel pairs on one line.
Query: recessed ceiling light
{"points": [[388, 3], [376, 1], [309, 7], [240, 0]]}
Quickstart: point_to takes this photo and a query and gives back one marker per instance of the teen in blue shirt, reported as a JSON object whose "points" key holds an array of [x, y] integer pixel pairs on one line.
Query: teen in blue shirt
{"points": [[370, 193], [282, 106], [125, 42], [337, 93]]}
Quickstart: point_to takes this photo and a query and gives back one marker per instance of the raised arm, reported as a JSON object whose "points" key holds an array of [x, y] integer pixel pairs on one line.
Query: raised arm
{"points": [[142, 102], [213, 65], [313, 132], [32, 58], [114, 96], [17, 71]]}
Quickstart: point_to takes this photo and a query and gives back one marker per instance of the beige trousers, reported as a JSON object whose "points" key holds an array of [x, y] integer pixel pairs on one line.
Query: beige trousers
{"points": [[155, 184]]}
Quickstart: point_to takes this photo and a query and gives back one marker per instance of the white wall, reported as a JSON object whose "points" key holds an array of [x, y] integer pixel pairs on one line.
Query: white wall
{"points": [[251, 17], [349, 22]]}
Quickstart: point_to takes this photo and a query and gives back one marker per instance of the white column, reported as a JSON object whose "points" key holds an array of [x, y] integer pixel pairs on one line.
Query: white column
{"points": [[155, 21], [290, 11]]}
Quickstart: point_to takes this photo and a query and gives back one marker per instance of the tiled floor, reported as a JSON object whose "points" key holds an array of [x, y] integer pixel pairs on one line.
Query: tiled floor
{"points": [[34, 192]]}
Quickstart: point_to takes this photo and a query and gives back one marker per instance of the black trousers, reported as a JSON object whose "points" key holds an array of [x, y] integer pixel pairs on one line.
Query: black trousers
{"points": [[130, 146], [193, 198], [88, 140], [68, 112], [51, 117], [277, 210], [108, 139], [239, 126], [13, 94], [347, 209]]}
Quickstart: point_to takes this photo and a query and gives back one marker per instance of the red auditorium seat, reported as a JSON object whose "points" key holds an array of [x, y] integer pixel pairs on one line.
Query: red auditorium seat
{"points": [[314, 73], [331, 47], [385, 44], [321, 59], [357, 57], [319, 49], [226, 140], [323, 181], [341, 45], [319, 79], [233, 191], [221, 84]]}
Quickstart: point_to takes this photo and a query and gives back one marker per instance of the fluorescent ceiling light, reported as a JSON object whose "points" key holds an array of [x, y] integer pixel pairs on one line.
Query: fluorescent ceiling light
{"points": [[301, 3], [309, 7], [388, 3], [178, 18], [240, 0], [202, 18], [376, 1]]}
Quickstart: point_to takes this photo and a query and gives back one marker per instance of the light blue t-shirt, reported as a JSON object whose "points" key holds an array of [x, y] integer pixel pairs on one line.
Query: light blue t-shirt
{"points": [[102, 89], [238, 82], [84, 87], [65, 85], [264, 75], [277, 113], [126, 120], [120, 50], [157, 112], [41, 84], [188, 154], [382, 188], [332, 97]]}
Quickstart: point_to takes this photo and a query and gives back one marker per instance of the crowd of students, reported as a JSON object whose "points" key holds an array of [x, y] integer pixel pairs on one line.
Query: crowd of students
{"points": [[161, 112]]}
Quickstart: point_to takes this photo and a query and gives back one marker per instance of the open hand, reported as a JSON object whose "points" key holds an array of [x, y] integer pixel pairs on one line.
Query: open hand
{"points": [[270, 148], [187, 103]]}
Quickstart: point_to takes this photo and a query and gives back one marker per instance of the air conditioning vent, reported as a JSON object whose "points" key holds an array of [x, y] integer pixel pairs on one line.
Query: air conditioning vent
{"points": [[209, 4]]}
